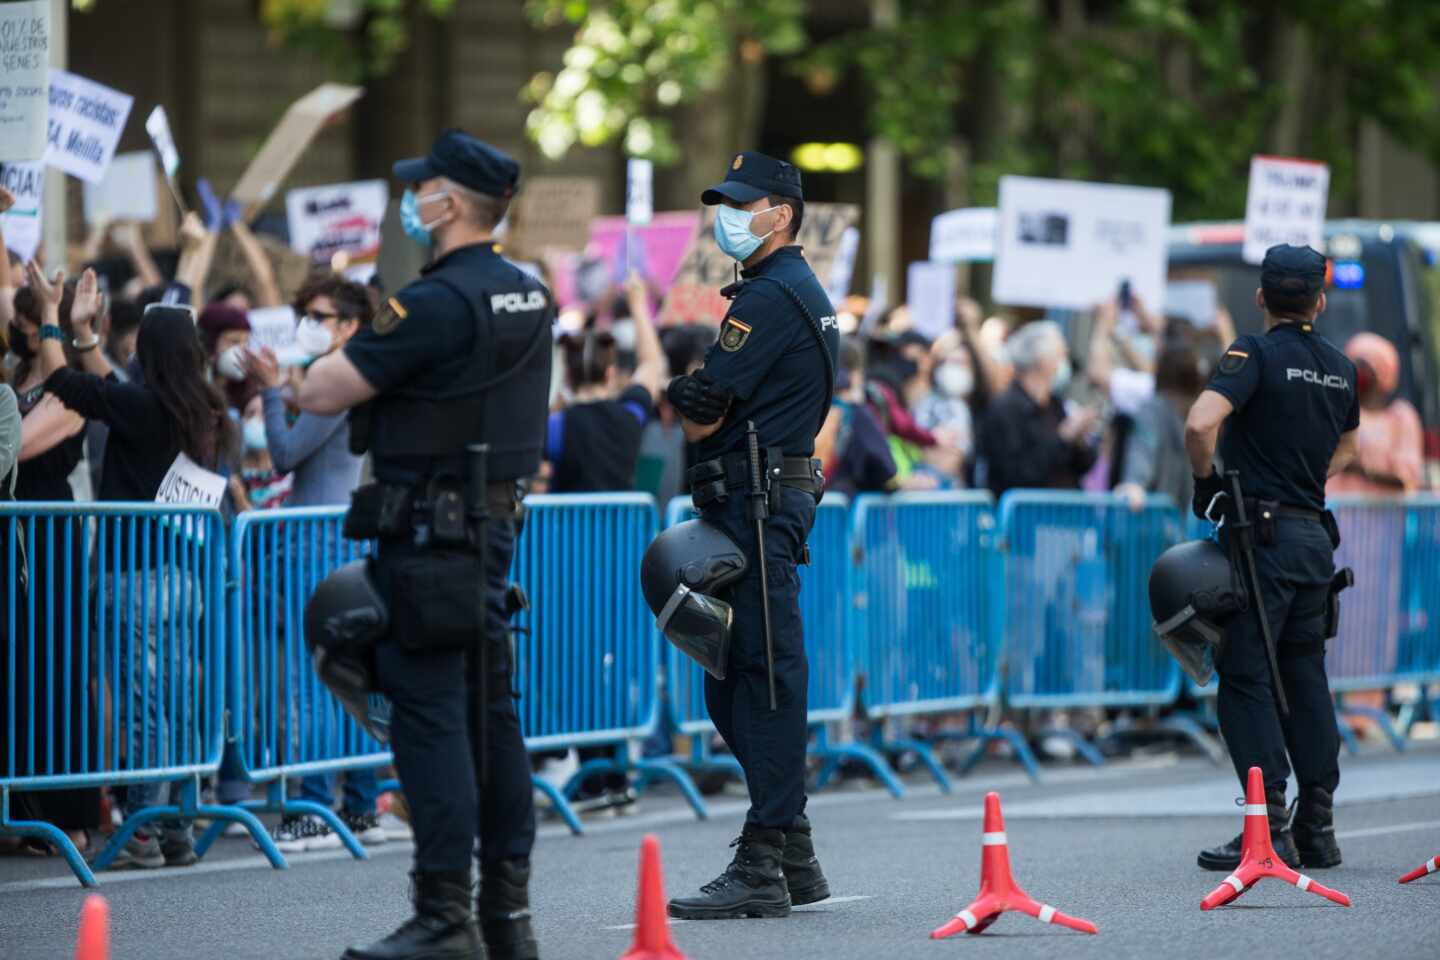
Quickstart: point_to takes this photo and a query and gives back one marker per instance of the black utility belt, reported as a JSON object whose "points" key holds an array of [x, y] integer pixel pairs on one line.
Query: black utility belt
{"points": [[1264, 513], [714, 479], [431, 513]]}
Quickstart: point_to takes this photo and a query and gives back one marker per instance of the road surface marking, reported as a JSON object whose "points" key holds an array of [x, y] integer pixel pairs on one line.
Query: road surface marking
{"points": [[807, 908]]}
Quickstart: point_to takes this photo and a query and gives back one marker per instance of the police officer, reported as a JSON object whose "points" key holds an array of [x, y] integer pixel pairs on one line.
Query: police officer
{"points": [[459, 357], [772, 366], [1288, 402]]}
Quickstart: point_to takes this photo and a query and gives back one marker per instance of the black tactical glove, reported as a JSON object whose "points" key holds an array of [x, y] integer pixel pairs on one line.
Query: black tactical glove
{"points": [[699, 398], [1206, 488]]}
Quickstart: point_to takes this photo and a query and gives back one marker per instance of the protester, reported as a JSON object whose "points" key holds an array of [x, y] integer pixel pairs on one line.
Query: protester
{"points": [[1155, 460], [664, 455], [172, 411], [1029, 439], [315, 451], [852, 446], [225, 333], [1390, 444], [258, 484], [118, 328]]}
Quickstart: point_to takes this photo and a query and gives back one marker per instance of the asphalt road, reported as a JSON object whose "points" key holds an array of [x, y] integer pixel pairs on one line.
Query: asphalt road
{"points": [[898, 869]]}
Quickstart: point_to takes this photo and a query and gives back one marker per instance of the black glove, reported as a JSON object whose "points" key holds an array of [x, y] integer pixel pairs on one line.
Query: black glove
{"points": [[1206, 489], [699, 398]]}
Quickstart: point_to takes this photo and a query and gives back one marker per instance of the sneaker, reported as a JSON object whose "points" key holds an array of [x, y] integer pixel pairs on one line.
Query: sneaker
{"points": [[365, 826], [141, 852], [298, 833], [179, 850]]}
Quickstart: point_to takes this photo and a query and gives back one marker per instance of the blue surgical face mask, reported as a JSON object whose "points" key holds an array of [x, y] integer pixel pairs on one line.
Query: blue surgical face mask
{"points": [[254, 433], [410, 221], [732, 232]]}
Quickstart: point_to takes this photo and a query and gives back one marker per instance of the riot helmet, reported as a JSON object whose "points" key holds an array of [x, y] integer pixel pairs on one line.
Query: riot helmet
{"points": [[344, 618], [1193, 593], [683, 569]]}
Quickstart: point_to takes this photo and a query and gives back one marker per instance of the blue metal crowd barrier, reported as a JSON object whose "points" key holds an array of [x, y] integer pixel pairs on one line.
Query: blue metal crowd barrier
{"points": [[283, 722], [1077, 617], [587, 655], [113, 661], [826, 609], [929, 640]]}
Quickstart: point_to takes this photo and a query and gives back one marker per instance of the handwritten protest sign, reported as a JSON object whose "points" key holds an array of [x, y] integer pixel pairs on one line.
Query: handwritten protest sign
{"points": [[339, 218], [695, 295], [24, 78], [188, 482], [656, 248], [274, 327], [21, 222], [127, 192], [1285, 204], [86, 120], [553, 213], [289, 140]]}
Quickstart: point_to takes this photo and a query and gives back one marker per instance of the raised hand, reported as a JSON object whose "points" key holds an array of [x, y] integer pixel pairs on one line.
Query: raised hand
{"points": [[86, 305]]}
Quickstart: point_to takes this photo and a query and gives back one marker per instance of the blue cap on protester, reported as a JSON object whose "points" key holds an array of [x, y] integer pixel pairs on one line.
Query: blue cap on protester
{"points": [[469, 162], [752, 176]]}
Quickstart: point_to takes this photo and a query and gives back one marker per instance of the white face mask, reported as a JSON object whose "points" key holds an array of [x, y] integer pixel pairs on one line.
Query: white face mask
{"points": [[313, 338], [954, 379], [624, 333], [231, 364]]}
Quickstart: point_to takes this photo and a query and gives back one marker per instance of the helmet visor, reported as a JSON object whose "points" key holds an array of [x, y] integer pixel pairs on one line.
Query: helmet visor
{"points": [[1195, 645], [700, 627]]}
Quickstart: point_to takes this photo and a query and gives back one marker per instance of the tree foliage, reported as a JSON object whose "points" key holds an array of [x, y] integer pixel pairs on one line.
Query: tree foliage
{"points": [[360, 38]]}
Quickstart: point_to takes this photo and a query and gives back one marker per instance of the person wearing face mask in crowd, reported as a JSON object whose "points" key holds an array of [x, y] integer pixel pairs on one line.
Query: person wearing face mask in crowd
{"points": [[945, 410], [225, 334], [1390, 442], [1028, 438], [259, 484]]}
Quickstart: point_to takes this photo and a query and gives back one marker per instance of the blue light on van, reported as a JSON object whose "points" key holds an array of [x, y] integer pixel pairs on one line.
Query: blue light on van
{"points": [[1349, 275]]}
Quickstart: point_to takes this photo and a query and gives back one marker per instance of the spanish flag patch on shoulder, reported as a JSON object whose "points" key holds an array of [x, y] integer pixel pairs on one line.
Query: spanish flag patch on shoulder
{"points": [[1233, 361], [733, 334], [389, 316]]}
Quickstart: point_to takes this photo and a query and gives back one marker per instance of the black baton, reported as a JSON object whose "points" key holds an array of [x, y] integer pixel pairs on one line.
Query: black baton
{"points": [[759, 510], [477, 456], [1243, 533]]}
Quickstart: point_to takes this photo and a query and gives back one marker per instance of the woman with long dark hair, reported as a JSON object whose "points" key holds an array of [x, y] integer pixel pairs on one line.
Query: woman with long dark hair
{"points": [[171, 410]]}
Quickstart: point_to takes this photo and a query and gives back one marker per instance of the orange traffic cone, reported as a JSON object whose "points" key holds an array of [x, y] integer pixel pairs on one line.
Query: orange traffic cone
{"points": [[1257, 855], [1429, 866], [998, 889], [94, 940], [652, 926]]}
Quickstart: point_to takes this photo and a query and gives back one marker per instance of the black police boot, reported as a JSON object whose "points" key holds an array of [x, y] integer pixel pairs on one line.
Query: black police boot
{"points": [[752, 886], [1314, 828], [1227, 856], [443, 927], [504, 910], [803, 877]]}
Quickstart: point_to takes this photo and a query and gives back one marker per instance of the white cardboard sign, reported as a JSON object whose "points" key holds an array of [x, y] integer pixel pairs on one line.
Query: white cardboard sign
{"points": [[158, 126], [1285, 204], [842, 271], [639, 192], [86, 120], [964, 235], [127, 192], [24, 78], [339, 217], [21, 222], [1068, 244], [274, 327], [188, 482], [1195, 300], [930, 294]]}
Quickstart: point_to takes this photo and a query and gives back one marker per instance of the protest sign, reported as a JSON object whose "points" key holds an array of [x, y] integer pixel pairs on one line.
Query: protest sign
{"points": [[339, 218], [930, 294], [274, 328], [1067, 244], [553, 213], [289, 140], [842, 270], [188, 482], [694, 297], [1285, 204], [127, 191], [655, 249], [158, 126], [1195, 300], [24, 78], [964, 235], [21, 222], [86, 120], [639, 191]]}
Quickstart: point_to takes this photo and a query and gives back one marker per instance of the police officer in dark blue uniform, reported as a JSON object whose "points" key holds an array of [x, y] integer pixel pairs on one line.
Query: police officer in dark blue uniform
{"points": [[459, 358], [769, 379], [1288, 402]]}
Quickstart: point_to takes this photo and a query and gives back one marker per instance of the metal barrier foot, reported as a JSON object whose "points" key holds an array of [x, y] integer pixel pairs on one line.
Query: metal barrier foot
{"points": [[1380, 718], [1084, 747], [835, 754], [332, 820], [924, 753], [54, 835], [217, 826], [560, 805], [1352, 742], [258, 833], [661, 768], [122, 836], [1023, 753], [1186, 726]]}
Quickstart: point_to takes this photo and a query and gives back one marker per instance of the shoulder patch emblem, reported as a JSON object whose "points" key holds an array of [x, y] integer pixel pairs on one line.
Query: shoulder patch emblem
{"points": [[391, 313], [1233, 361], [733, 334]]}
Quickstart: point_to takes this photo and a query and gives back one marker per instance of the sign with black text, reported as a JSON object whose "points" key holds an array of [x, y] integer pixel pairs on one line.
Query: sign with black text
{"points": [[21, 222], [86, 120], [24, 78], [1285, 204], [339, 218]]}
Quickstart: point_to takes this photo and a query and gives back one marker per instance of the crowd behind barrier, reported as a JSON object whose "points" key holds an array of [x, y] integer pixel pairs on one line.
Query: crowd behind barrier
{"points": [[179, 655]]}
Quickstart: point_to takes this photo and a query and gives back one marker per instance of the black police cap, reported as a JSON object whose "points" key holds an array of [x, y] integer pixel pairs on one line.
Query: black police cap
{"points": [[469, 162], [752, 176], [1293, 269]]}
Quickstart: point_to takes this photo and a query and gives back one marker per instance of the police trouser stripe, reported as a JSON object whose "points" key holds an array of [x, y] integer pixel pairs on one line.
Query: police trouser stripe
{"points": [[1047, 913], [1236, 882], [968, 918]]}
